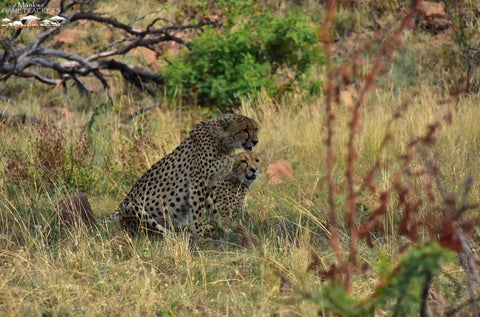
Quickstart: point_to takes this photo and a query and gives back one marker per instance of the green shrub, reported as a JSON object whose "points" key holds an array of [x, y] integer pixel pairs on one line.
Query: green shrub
{"points": [[399, 291], [262, 52]]}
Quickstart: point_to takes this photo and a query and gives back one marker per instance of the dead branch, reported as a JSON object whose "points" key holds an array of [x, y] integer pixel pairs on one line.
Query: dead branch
{"points": [[454, 311], [37, 59], [425, 291], [143, 110], [41, 78]]}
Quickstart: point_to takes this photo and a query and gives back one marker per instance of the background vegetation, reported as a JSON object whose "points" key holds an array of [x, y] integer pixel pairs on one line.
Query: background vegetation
{"points": [[375, 110]]}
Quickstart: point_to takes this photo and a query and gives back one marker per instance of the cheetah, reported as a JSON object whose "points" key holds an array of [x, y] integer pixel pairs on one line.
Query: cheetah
{"points": [[228, 197], [172, 193]]}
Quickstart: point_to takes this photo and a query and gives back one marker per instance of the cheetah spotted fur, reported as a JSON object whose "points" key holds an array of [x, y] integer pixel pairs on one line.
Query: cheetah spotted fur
{"points": [[172, 193], [229, 196]]}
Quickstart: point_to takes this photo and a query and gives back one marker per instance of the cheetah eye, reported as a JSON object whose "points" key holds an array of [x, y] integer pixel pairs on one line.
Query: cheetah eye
{"points": [[257, 160], [244, 161]]}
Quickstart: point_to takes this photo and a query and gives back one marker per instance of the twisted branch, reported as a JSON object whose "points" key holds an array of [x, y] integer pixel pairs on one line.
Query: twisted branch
{"points": [[18, 61]]}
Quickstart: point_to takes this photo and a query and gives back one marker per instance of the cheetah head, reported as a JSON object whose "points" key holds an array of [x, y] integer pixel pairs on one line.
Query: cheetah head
{"points": [[241, 132], [246, 167]]}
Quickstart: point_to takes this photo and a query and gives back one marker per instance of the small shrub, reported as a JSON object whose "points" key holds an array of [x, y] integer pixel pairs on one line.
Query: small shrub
{"points": [[56, 157], [400, 289], [467, 38], [458, 64], [263, 52], [219, 70]]}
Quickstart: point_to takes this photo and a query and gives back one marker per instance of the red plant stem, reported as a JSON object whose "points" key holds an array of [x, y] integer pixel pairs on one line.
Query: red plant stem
{"points": [[352, 156], [351, 198], [334, 239], [369, 81], [332, 88]]}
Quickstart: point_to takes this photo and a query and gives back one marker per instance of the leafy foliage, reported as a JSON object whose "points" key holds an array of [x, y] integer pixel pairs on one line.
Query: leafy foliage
{"points": [[403, 285], [334, 298], [263, 52], [400, 288]]}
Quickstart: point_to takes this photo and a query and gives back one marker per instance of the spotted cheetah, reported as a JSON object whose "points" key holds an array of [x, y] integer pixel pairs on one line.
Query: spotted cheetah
{"points": [[172, 193], [228, 197]]}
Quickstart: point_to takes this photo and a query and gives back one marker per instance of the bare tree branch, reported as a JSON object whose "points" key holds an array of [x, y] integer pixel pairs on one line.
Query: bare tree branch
{"points": [[82, 85], [41, 78], [18, 60], [471, 289]]}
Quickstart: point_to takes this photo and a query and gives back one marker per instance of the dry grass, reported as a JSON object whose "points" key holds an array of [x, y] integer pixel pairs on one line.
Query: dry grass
{"points": [[51, 270], [46, 269]]}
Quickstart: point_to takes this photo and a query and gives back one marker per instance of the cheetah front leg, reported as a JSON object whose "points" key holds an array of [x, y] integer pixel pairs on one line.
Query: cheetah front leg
{"points": [[219, 170], [198, 208], [204, 179], [214, 218]]}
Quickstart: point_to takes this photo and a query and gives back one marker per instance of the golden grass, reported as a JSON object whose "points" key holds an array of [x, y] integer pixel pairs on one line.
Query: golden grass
{"points": [[98, 271], [52, 270]]}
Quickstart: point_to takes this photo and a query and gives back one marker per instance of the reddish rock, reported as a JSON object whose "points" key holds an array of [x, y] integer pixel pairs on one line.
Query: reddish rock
{"points": [[432, 16], [69, 36], [278, 171], [430, 10], [148, 56]]}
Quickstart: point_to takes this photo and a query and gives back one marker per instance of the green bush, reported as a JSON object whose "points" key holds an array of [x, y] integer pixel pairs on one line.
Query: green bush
{"points": [[263, 52], [399, 291]]}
